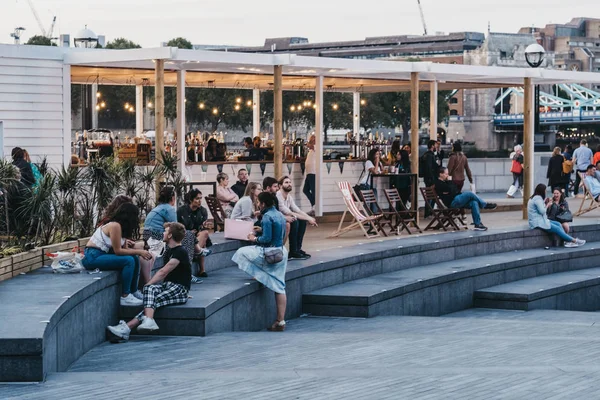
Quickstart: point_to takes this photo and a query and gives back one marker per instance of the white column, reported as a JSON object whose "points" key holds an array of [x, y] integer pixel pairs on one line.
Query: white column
{"points": [[356, 115], [139, 110], [66, 97], [181, 153], [433, 110], [93, 106], [319, 145], [256, 113]]}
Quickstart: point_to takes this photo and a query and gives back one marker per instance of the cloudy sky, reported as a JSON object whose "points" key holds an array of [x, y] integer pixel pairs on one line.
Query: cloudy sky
{"points": [[249, 22]]}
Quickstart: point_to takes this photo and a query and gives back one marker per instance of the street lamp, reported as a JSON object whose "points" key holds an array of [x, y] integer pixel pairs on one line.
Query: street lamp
{"points": [[534, 55]]}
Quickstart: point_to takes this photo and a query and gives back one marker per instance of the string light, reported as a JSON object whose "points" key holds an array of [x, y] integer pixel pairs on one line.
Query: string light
{"points": [[237, 107], [127, 106], [335, 106], [299, 108], [238, 100], [98, 95], [103, 105], [249, 103], [292, 108], [215, 111], [363, 102], [201, 106], [97, 107], [149, 105]]}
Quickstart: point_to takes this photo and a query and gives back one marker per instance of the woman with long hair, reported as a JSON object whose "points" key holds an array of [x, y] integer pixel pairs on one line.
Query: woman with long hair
{"points": [[557, 207], [225, 195], [211, 152], [458, 165], [402, 183], [373, 166], [537, 215], [112, 208], [252, 259], [193, 216], [111, 248], [247, 207]]}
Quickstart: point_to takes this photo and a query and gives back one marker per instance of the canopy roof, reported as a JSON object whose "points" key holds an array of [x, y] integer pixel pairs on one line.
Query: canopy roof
{"points": [[254, 71]]}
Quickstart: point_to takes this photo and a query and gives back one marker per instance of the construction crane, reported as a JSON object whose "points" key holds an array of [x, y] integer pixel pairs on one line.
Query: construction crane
{"points": [[422, 17], [17, 34], [45, 33]]}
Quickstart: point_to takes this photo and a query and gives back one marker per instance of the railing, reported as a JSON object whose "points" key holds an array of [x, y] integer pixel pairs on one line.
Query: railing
{"points": [[550, 117]]}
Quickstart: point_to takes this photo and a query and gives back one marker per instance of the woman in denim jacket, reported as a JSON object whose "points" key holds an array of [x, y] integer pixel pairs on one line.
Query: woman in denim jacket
{"points": [[251, 259]]}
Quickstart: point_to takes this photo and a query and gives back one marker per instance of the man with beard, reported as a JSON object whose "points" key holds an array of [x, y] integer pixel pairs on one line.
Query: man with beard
{"points": [[288, 207]]}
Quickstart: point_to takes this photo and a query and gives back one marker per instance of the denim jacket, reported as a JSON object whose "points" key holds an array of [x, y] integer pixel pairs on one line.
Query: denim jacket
{"points": [[273, 228], [536, 213], [160, 214]]}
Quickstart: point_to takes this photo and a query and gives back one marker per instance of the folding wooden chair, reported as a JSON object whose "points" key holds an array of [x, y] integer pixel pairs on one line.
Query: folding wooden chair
{"points": [[217, 212], [587, 198], [445, 217], [404, 216], [360, 219], [372, 208]]}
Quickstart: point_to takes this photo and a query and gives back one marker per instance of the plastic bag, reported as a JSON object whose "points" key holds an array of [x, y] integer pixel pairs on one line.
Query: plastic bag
{"points": [[157, 247], [473, 188], [66, 262]]}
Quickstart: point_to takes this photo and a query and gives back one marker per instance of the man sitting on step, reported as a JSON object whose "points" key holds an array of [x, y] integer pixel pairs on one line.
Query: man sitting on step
{"points": [[452, 198], [170, 285]]}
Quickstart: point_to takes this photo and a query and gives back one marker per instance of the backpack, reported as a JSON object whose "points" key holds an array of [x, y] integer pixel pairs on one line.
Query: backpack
{"points": [[567, 166], [422, 166]]}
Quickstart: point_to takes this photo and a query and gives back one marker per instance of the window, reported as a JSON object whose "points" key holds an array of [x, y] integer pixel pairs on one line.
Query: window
{"points": [[453, 112], [453, 100]]}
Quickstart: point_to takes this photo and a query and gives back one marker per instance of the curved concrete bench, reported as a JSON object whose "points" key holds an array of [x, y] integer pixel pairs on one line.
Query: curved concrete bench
{"points": [[573, 290]]}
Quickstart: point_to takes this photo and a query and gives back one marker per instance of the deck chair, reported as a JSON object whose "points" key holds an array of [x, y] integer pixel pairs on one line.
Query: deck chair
{"points": [[592, 204], [387, 218], [359, 217], [443, 217], [404, 217], [217, 212]]}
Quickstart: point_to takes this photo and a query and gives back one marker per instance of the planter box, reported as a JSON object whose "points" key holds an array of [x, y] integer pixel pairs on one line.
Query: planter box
{"points": [[5, 268]]}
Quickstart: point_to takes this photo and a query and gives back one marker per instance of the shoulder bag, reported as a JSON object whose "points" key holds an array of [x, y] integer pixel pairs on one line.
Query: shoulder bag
{"points": [[273, 255], [564, 216]]}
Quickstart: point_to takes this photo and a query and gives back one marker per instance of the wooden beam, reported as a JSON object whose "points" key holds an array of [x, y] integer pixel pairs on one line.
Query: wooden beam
{"points": [[433, 110], [278, 120], [414, 125], [159, 111], [181, 150], [528, 144], [319, 145]]}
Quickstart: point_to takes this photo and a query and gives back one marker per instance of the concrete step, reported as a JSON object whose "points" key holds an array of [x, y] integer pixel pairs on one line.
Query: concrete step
{"points": [[573, 290], [441, 288]]}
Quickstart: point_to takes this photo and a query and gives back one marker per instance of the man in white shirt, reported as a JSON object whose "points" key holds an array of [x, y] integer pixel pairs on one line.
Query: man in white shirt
{"points": [[311, 170], [582, 157], [288, 207]]}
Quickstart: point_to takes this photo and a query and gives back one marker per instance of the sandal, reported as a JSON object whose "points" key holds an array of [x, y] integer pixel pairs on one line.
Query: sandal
{"points": [[278, 326]]}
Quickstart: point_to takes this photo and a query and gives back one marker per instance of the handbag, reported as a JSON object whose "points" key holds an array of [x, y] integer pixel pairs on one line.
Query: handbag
{"points": [[238, 229], [361, 186], [273, 255], [564, 216], [517, 167]]}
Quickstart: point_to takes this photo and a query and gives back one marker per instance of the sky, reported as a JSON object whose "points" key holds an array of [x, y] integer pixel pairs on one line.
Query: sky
{"points": [[249, 22]]}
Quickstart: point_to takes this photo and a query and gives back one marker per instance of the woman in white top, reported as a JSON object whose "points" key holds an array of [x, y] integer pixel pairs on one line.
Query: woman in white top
{"points": [[247, 207], [372, 166], [225, 195], [111, 248], [536, 214]]}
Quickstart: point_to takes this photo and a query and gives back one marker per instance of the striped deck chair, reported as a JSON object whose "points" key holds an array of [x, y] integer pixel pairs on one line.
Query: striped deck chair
{"points": [[359, 216], [587, 198]]}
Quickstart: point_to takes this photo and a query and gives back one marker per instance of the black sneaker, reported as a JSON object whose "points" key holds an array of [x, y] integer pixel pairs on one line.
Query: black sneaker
{"points": [[480, 227], [297, 256], [490, 206], [305, 254]]}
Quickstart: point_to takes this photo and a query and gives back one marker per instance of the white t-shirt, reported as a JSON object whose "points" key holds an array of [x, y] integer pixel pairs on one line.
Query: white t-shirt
{"points": [[311, 162], [367, 175]]}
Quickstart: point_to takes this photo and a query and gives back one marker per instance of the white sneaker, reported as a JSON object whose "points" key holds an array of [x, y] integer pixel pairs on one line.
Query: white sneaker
{"points": [[148, 325], [571, 244], [138, 295], [580, 242], [131, 300], [121, 331]]}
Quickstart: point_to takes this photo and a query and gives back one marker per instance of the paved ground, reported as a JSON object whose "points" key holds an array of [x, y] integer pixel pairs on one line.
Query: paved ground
{"points": [[475, 354]]}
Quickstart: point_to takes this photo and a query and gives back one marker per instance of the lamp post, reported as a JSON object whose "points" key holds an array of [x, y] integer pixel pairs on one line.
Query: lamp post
{"points": [[534, 55]]}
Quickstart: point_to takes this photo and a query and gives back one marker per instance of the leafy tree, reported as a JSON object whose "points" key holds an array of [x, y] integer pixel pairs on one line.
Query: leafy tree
{"points": [[180, 43], [39, 40], [121, 44]]}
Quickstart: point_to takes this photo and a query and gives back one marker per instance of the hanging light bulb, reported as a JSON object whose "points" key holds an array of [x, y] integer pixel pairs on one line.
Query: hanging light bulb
{"points": [[363, 102], [299, 108], [237, 107], [97, 108], [335, 106], [249, 103], [215, 111], [98, 95], [103, 105], [127, 106], [292, 108], [238, 100], [201, 106]]}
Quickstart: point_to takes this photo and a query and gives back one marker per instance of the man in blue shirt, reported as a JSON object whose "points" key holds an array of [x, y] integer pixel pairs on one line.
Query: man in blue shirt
{"points": [[591, 182], [582, 157]]}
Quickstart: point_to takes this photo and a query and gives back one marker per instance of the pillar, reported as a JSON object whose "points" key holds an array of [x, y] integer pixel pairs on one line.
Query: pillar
{"points": [[278, 120], [414, 134], [528, 143], [181, 151], [319, 145], [433, 110], [93, 106], [159, 111], [356, 104], [139, 110], [256, 113]]}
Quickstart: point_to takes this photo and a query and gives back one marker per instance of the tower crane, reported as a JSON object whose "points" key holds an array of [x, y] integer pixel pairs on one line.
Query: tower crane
{"points": [[422, 17], [45, 33]]}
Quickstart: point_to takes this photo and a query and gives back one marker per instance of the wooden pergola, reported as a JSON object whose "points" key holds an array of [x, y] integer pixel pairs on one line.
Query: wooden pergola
{"points": [[167, 66]]}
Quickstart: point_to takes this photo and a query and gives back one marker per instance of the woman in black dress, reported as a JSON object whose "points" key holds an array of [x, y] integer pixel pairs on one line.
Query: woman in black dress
{"points": [[555, 175]]}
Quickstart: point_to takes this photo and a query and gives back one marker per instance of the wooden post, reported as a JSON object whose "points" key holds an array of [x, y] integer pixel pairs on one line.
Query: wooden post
{"points": [[318, 145], [278, 121], [181, 150], [433, 110], [356, 122], [139, 110], [159, 111], [528, 144], [255, 113], [414, 127]]}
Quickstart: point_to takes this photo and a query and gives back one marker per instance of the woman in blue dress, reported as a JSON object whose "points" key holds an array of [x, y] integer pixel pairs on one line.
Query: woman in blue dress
{"points": [[251, 259]]}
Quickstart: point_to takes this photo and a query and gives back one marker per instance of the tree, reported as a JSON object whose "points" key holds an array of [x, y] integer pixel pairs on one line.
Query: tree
{"points": [[180, 43], [121, 44], [39, 40]]}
